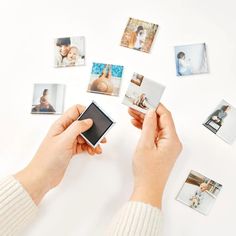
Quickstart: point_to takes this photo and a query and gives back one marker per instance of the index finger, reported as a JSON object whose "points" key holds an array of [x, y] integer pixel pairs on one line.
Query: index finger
{"points": [[136, 114]]}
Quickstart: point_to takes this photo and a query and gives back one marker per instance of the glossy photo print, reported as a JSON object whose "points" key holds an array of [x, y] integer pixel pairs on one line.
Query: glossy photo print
{"points": [[69, 51], [191, 59], [105, 79], [199, 192], [101, 124], [222, 122], [142, 93], [139, 35], [48, 99]]}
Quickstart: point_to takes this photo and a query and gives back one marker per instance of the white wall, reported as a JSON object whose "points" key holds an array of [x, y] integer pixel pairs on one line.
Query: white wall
{"points": [[95, 188]]}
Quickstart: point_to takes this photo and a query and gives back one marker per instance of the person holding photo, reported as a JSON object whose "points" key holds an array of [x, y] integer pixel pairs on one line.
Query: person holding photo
{"points": [[155, 155]]}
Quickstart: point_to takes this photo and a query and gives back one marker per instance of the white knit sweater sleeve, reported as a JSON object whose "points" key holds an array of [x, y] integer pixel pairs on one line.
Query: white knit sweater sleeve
{"points": [[16, 206], [136, 218]]}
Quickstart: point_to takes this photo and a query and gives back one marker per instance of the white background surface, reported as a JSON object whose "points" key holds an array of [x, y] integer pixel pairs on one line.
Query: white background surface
{"points": [[95, 188]]}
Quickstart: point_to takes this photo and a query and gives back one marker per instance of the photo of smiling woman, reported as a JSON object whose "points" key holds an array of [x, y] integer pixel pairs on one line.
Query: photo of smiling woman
{"points": [[69, 52]]}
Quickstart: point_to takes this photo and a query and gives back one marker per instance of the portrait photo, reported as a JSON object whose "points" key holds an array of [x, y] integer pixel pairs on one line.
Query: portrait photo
{"points": [[222, 122], [199, 192], [142, 93], [48, 99], [139, 35], [191, 59], [69, 51]]}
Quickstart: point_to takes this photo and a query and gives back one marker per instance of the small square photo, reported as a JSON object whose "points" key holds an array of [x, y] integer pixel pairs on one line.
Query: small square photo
{"points": [[48, 99], [69, 51], [191, 59], [199, 192], [139, 35], [222, 122], [105, 79], [102, 123], [143, 94]]}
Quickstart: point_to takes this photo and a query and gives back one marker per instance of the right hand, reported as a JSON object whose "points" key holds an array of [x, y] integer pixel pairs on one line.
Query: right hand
{"points": [[155, 155]]}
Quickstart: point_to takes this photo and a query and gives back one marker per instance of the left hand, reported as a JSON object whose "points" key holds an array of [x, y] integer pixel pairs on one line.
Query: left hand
{"points": [[62, 142]]}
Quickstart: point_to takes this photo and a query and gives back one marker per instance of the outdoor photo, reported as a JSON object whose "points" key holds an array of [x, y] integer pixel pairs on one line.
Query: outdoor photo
{"points": [[222, 122], [139, 35], [142, 93], [199, 192], [105, 79], [48, 99], [191, 59], [69, 51]]}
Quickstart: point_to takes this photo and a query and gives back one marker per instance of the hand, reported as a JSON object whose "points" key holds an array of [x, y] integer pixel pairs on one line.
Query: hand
{"points": [[214, 118], [155, 155], [62, 142]]}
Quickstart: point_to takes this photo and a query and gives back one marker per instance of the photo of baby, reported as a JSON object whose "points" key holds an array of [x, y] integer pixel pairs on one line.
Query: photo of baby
{"points": [[199, 192], [222, 122], [191, 59], [69, 51], [139, 35], [142, 93], [105, 79], [48, 99]]}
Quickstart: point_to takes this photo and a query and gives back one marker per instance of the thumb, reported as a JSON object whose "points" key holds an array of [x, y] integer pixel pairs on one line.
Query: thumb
{"points": [[149, 129], [78, 127]]}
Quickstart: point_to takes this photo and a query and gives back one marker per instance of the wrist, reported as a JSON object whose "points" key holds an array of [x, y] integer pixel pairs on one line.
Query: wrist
{"points": [[34, 182], [149, 195]]}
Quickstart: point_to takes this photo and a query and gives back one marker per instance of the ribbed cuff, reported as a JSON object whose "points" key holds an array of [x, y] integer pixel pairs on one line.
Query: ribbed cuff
{"points": [[16, 206], [136, 218]]}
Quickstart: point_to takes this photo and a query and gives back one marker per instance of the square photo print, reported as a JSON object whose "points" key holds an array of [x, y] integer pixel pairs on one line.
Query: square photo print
{"points": [[105, 79], [69, 51], [102, 123], [143, 94], [199, 192], [191, 59], [139, 35], [222, 122], [48, 99]]}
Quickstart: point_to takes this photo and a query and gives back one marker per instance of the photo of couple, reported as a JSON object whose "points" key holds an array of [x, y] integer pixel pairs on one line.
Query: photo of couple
{"points": [[139, 35], [199, 192], [69, 51], [48, 99]]}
